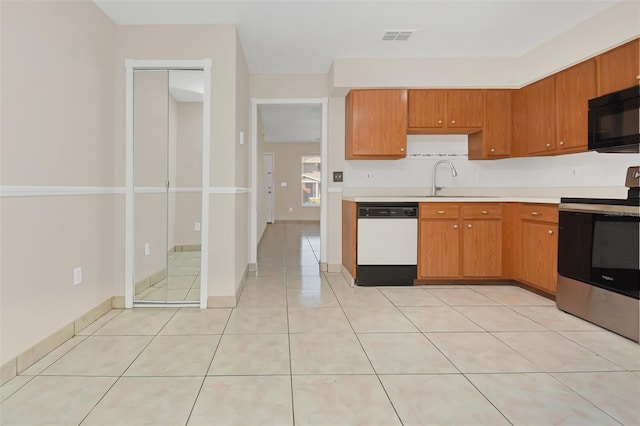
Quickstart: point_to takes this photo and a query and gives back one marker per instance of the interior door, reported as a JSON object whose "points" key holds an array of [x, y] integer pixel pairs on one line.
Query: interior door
{"points": [[151, 162], [268, 183], [168, 117]]}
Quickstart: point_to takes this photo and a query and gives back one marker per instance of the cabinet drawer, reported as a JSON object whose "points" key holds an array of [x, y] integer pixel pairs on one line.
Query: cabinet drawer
{"points": [[482, 211], [439, 210], [539, 212]]}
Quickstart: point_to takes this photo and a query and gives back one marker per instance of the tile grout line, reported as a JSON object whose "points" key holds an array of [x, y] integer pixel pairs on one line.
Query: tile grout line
{"points": [[286, 302], [375, 372], [206, 373], [127, 368]]}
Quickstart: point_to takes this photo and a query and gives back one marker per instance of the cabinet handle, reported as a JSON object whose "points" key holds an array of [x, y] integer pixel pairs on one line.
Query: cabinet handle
{"points": [[550, 231], [455, 226], [440, 212], [469, 226], [492, 150], [548, 145], [453, 121], [439, 121], [484, 212], [536, 214], [562, 143], [401, 149]]}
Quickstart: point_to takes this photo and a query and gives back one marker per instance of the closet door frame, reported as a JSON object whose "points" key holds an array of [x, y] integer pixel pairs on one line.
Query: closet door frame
{"points": [[130, 66]]}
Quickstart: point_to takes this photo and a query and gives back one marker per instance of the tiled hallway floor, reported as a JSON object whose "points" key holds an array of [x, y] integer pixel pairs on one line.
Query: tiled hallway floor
{"points": [[302, 347]]}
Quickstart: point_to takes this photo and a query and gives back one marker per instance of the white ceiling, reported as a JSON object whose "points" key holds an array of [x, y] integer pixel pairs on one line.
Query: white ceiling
{"points": [[291, 123], [305, 36]]}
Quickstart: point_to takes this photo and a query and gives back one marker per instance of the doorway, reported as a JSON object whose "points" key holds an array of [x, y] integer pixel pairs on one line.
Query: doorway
{"points": [[257, 223], [168, 108]]}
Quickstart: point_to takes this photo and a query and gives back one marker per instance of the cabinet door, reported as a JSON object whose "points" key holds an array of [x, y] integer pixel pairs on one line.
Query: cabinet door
{"points": [[465, 108], [349, 236], [482, 248], [497, 126], [519, 123], [619, 68], [574, 87], [541, 116], [439, 249], [539, 255], [427, 108], [376, 124]]}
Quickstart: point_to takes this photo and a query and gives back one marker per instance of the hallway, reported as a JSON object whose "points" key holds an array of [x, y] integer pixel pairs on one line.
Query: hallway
{"points": [[303, 347]]}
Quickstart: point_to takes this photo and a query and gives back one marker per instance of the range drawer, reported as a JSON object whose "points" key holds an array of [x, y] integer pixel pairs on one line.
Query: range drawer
{"points": [[439, 210], [539, 212], [482, 211]]}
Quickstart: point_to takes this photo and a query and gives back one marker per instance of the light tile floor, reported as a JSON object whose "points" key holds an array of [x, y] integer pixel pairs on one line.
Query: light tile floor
{"points": [[304, 348], [182, 283]]}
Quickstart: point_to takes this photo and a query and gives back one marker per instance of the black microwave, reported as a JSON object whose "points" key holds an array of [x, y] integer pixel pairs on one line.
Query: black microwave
{"points": [[614, 121]]}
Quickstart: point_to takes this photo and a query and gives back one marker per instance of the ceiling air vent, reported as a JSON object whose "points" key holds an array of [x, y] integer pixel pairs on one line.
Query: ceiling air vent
{"points": [[397, 35]]}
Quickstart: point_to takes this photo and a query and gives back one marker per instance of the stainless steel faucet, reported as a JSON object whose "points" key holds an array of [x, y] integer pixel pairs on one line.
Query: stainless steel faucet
{"points": [[454, 173]]}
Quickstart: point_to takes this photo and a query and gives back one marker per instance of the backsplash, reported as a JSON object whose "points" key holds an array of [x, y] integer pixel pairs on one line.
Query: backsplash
{"points": [[590, 169]]}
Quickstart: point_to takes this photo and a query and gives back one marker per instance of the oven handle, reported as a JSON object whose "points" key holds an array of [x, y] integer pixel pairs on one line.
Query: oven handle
{"points": [[606, 209]]}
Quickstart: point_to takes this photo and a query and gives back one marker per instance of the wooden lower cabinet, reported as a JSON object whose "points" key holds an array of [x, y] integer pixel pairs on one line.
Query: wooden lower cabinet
{"points": [[538, 238], [439, 252], [349, 236], [459, 241], [482, 248]]}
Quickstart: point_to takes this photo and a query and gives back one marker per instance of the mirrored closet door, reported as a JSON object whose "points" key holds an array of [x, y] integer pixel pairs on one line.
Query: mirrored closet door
{"points": [[167, 151]]}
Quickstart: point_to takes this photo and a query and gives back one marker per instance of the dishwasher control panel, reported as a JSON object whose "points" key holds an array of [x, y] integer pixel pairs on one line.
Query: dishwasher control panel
{"points": [[408, 211]]}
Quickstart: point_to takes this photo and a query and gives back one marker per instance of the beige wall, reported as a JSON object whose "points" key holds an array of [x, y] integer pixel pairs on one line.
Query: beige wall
{"points": [[242, 211], [261, 192], [287, 157], [57, 78], [219, 43]]}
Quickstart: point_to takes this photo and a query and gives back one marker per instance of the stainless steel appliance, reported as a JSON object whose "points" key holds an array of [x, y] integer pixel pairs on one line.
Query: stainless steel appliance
{"points": [[599, 260], [614, 121], [387, 244]]}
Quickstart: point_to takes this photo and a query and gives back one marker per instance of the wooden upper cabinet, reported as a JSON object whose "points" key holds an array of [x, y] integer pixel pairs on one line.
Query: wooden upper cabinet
{"points": [[376, 124], [446, 111], [519, 123], [574, 87], [494, 141], [427, 108], [541, 116], [619, 68], [465, 108]]}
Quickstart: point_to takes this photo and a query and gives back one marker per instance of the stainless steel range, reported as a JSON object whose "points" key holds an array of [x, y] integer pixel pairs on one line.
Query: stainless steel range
{"points": [[599, 259]]}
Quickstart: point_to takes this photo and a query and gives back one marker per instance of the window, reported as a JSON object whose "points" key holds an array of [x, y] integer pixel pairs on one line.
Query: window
{"points": [[311, 185]]}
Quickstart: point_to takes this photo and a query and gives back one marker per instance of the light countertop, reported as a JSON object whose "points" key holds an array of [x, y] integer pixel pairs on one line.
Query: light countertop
{"points": [[452, 199]]}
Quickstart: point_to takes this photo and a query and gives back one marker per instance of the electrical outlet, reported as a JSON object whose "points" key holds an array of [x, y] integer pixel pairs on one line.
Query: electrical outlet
{"points": [[371, 176], [283, 184], [77, 275], [196, 227], [337, 176], [147, 249], [290, 209]]}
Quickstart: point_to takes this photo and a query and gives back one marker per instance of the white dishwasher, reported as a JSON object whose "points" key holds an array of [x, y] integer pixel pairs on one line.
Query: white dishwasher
{"points": [[387, 246]]}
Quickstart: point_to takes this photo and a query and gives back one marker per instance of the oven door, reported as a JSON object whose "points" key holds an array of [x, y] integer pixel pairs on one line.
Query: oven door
{"points": [[600, 248], [613, 122]]}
